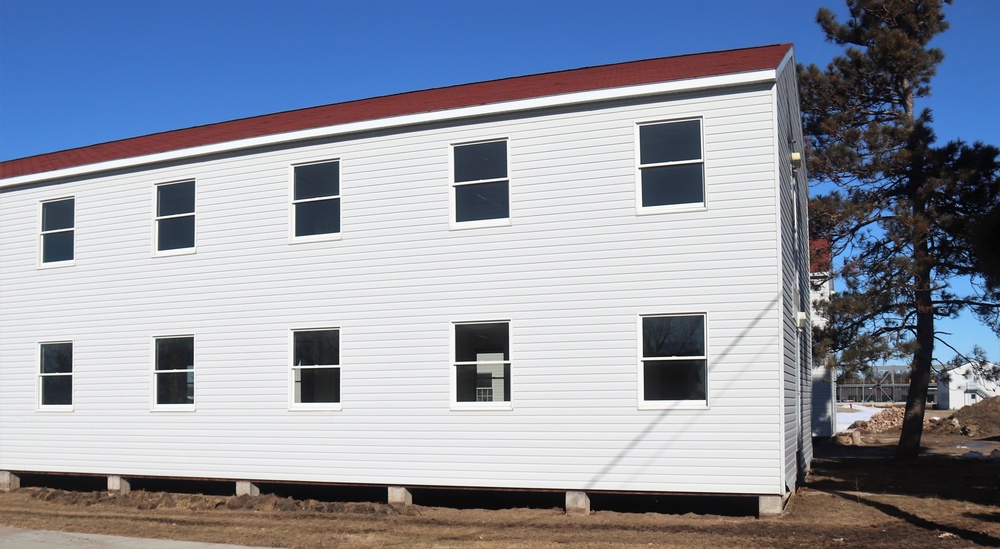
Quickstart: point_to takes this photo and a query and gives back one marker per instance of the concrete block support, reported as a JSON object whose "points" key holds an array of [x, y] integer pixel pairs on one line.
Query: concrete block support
{"points": [[577, 503], [245, 487], [399, 495], [9, 481], [770, 505], [118, 485]]}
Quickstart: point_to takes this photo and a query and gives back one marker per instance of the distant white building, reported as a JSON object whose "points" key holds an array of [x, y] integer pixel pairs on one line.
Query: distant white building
{"points": [[962, 386], [824, 382]]}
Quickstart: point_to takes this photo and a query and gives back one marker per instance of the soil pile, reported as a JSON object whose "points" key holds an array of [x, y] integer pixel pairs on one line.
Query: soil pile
{"points": [[979, 420], [142, 500]]}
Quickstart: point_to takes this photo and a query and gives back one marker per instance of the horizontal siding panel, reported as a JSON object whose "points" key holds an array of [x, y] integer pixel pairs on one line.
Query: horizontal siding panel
{"points": [[572, 272]]}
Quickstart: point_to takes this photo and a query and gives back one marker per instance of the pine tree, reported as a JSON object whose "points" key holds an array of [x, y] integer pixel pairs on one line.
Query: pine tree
{"points": [[907, 217]]}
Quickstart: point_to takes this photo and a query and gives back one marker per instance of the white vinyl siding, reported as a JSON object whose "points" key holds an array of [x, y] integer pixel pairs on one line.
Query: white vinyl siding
{"points": [[796, 351], [571, 275]]}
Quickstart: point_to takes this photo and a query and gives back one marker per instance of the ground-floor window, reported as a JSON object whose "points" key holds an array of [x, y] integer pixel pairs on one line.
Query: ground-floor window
{"points": [[674, 361], [55, 375], [316, 368], [481, 364], [173, 372]]}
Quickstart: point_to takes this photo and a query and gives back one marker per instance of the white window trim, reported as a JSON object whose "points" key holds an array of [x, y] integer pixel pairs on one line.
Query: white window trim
{"points": [[453, 206], [156, 219], [313, 406], [153, 385], [642, 403], [39, 375], [692, 207], [325, 237], [453, 377], [41, 235]]}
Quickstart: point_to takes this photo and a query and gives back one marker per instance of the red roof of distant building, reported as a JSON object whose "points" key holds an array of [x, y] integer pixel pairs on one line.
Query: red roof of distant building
{"points": [[632, 73], [819, 255]]}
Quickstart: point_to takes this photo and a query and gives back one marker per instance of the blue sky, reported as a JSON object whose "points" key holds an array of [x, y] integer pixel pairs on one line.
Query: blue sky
{"points": [[75, 73]]}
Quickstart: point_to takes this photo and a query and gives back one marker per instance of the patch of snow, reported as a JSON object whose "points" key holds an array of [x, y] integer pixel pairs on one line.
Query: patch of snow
{"points": [[845, 418]]}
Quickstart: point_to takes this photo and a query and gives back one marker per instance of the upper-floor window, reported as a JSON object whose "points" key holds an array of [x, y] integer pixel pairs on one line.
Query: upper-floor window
{"points": [[55, 374], [674, 362], [481, 365], [316, 369], [173, 372], [316, 199], [174, 223], [481, 188], [58, 228], [671, 165]]}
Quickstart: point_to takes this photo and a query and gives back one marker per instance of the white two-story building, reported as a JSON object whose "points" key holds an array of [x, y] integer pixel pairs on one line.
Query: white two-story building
{"points": [[588, 280]]}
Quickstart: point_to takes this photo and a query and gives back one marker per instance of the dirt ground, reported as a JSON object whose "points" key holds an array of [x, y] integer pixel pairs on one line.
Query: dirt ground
{"points": [[855, 496]]}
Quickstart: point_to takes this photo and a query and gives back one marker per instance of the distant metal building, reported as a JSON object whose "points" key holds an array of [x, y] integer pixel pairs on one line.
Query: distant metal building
{"points": [[881, 385]]}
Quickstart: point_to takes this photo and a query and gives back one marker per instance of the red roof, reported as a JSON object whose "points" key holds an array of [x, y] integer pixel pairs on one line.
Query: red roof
{"points": [[664, 69], [819, 255]]}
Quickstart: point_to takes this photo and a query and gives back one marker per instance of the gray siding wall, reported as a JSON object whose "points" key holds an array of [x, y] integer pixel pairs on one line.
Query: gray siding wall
{"points": [[797, 350], [572, 273]]}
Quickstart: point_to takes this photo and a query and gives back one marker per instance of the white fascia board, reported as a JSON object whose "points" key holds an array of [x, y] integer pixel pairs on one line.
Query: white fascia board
{"points": [[789, 58], [694, 84]]}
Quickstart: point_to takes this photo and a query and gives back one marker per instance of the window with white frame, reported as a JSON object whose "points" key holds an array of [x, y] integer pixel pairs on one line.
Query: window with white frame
{"points": [[316, 368], [316, 199], [482, 362], [481, 188], [175, 217], [55, 374], [674, 363], [173, 371], [671, 164], [58, 226]]}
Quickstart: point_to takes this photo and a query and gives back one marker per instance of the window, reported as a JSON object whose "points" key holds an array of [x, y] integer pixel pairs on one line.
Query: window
{"points": [[481, 190], [671, 165], [55, 375], [58, 222], [173, 371], [316, 199], [674, 363], [316, 369], [482, 365], [175, 217]]}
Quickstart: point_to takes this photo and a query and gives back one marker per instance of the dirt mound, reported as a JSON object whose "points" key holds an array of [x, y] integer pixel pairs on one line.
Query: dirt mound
{"points": [[145, 501], [979, 420]]}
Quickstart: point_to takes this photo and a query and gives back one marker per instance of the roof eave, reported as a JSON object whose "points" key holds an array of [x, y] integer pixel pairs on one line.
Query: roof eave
{"points": [[574, 98]]}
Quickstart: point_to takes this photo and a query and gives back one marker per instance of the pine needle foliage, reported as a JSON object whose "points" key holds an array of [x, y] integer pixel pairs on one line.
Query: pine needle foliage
{"points": [[907, 218]]}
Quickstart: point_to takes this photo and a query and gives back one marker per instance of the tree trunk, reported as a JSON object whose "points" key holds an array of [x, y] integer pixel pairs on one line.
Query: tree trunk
{"points": [[920, 370]]}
